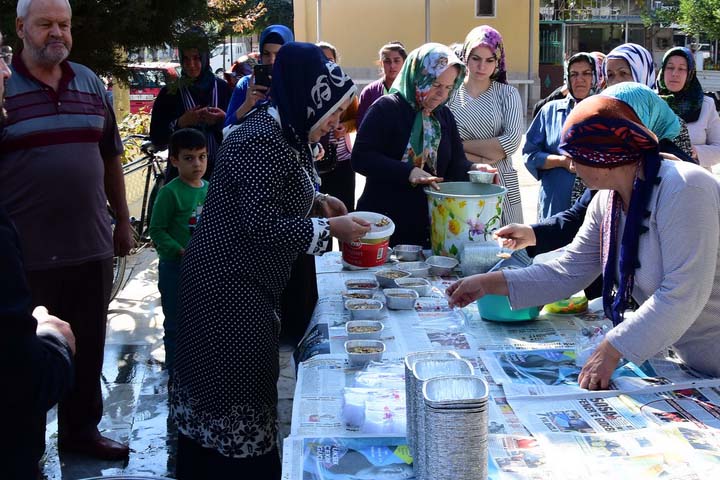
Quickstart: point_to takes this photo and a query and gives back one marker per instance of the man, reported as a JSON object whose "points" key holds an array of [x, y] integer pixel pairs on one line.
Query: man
{"points": [[59, 164], [35, 353]]}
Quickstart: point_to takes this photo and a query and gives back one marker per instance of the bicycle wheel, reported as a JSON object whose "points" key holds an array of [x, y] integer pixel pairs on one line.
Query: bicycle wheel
{"points": [[119, 266]]}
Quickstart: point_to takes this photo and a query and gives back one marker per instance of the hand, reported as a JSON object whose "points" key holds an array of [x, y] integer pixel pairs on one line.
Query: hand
{"points": [[466, 290], [123, 238], [569, 165], [212, 115], [598, 369], [481, 167], [255, 93], [418, 176], [50, 322], [516, 236], [348, 228], [333, 207], [694, 153], [190, 117], [669, 156], [320, 154]]}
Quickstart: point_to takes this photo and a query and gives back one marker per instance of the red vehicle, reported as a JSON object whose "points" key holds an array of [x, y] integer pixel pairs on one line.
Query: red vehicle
{"points": [[146, 80]]}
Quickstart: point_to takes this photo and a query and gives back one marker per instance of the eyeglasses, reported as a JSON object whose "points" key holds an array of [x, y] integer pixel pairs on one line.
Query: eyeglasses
{"points": [[6, 54]]}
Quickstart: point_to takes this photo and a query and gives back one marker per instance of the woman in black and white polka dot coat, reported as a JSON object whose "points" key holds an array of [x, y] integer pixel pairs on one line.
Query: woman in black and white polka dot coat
{"points": [[254, 224]]}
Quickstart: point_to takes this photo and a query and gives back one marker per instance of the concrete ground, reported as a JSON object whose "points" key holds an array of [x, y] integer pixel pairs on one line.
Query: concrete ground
{"points": [[135, 383]]}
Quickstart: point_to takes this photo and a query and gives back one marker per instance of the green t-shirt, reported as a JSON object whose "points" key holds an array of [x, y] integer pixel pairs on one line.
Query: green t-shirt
{"points": [[177, 210]]}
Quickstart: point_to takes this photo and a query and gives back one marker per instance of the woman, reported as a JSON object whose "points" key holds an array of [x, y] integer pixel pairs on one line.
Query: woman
{"points": [[679, 86], [542, 157], [224, 395], [489, 114], [409, 139], [336, 173], [198, 100], [630, 62], [643, 233], [247, 95], [392, 58]]}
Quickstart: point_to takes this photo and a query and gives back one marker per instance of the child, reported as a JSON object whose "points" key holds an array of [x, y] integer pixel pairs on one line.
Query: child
{"points": [[175, 215]]}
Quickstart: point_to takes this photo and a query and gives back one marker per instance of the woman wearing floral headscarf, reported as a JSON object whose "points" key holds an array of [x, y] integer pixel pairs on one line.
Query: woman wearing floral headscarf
{"points": [[409, 139], [679, 86], [489, 113], [653, 231], [254, 224], [542, 157]]}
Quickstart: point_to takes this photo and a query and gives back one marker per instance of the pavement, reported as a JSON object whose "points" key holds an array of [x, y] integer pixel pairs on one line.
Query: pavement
{"points": [[134, 381]]}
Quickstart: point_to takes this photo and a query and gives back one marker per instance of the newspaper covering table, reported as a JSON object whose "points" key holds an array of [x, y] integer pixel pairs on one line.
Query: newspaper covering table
{"points": [[662, 420]]}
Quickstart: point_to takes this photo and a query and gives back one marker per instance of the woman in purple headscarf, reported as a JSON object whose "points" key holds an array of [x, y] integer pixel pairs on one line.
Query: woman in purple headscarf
{"points": [[642, 232], [489, 113]]}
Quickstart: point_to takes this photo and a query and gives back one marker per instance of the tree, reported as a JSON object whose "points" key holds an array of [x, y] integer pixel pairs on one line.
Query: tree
{"points": [[701, 16], [104, 29], [277, 12]]}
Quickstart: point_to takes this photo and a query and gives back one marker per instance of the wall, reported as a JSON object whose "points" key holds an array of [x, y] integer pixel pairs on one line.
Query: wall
{"points": [[359, 28]]}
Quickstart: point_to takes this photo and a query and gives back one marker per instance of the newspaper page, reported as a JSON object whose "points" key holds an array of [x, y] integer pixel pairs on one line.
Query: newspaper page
{"points": [[513, 457]]}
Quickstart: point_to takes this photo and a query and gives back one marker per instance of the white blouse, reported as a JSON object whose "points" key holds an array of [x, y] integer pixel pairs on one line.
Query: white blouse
{"points": [[705, 134]]}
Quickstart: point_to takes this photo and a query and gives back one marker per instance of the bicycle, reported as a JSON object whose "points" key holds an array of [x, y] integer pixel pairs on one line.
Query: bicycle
{"points": [[143, 179]]}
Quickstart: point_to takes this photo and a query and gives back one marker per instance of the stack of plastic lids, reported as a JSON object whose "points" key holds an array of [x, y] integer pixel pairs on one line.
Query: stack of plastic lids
{"points": [[455, 428], [423, 371], [410, 360]]}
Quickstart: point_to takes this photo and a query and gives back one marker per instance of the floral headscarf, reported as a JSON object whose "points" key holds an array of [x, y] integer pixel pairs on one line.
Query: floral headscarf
{"points": [[604, 132], [486, 36], [686, 103], [421, 69], [582, 57], [638, 58]]}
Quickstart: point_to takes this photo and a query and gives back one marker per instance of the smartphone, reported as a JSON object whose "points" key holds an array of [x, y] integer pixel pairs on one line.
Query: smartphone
{"points": [[263, 75]]}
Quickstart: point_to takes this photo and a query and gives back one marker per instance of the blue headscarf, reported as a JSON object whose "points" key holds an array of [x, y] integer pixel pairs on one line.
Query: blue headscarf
{"points": [[638, 58], [307, 88], [653, 112], [277, 34]]}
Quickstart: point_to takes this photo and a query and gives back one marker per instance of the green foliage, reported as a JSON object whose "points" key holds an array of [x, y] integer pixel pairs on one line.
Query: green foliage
{"points": [[133, 124], [276, 12], [104, 29], [701, 16]]}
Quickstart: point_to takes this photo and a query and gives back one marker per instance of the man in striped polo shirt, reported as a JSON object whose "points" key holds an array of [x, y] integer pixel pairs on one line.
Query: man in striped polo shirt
{"points": [[59, 165]]}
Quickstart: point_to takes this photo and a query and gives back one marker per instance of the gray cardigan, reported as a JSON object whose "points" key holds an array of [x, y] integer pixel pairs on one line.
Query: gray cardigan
{"points": [[677, 285]]}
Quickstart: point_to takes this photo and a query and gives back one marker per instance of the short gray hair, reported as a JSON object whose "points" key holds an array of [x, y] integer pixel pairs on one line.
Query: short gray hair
{"points": [[24, 5]]}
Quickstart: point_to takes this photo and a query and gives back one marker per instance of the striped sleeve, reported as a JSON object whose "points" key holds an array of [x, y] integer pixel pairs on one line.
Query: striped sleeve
{"points": [[512, 124]]}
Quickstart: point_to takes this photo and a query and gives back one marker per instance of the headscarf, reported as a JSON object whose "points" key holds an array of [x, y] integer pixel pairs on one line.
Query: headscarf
{"points": [[652, 111], [581, 57], [307, 88], [195, 37], [420, 70], [486, 36], [276, 34], [599, 70], [638, 58], [687, 103], [604, 132]]}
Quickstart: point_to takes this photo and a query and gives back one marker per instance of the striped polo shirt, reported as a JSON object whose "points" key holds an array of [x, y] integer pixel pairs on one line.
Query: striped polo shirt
{"points": [[51, 165]]}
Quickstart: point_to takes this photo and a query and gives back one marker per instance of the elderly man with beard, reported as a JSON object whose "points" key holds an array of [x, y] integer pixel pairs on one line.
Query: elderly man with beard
{"points": [[59, 165], [35, 349]]}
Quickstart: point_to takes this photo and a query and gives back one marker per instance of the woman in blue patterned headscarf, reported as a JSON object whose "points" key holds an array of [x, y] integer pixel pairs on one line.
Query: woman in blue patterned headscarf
{"points": [[630, 62]]}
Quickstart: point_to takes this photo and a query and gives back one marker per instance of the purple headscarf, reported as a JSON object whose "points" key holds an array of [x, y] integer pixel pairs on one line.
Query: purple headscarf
{"points": [[486, 36]]}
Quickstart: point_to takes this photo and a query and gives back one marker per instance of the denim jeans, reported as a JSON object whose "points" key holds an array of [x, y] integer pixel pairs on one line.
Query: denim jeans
{"points": [[169, 282]]}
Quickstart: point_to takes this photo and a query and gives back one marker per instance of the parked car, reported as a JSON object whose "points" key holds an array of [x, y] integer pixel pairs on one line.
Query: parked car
{"points": [[223, 56], [146, 80]]}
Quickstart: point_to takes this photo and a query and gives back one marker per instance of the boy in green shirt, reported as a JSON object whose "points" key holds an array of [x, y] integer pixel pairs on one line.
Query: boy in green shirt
{"points": [[176, 212]]}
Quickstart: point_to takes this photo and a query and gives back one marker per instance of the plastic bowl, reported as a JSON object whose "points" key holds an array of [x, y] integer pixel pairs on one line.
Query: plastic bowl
{"points": [[497, 309], [476, 176], [440, 265], [420, 285], [400, 298], [358, 359], [370, 329], [415, 269], [386, 278], [407, 253], [364, 309], [362, 284]]}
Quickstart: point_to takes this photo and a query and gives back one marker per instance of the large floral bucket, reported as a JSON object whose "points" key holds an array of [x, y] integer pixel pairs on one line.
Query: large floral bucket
{"points": [[462, 212]]}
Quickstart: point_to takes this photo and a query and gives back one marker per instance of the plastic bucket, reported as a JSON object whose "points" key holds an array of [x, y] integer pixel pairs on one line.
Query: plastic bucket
{"points": [[463, 212], [372, 250], [497, 309]]}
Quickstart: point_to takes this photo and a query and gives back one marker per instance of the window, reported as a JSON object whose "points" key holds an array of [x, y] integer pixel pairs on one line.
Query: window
{"points": [[485, 8]]}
